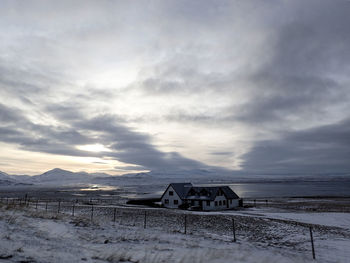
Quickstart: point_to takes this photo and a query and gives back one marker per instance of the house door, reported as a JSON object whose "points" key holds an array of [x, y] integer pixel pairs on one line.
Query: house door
{"points": [[227, 204]]}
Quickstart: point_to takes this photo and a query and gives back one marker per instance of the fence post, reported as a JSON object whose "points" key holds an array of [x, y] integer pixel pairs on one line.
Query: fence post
{"points": [[144, 223], [312, 244], [233, 230], [46, 207], [185, 224], [114, 214], [73, 209], [59, 206], [36, 204], [92, 212]]}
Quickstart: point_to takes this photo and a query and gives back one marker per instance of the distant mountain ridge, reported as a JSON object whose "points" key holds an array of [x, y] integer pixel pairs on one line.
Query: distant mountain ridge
{"points": [[57, 174], [62, 177], [4, 176], [54, 176], [6, 179]]}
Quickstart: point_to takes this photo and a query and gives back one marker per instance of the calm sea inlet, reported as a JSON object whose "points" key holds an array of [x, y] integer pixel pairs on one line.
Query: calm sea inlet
{"points": [[252, 190], [292, 189], [276, 189]]}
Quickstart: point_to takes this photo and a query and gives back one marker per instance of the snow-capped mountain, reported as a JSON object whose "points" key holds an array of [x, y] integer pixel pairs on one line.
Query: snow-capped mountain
{"points": [[61, 176], [4, 176], [57, 175], [6, 179]]}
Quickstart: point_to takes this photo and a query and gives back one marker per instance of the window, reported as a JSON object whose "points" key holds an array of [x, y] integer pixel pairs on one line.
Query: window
{"points": [[166, 201], [171, 193], [216, 203], [208, 203], [192, 192], [219, 202], [224, 202], [176, 202], [203, 192]]}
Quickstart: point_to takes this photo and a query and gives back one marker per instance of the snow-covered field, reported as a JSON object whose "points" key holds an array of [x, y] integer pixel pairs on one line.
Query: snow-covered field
{"points": [[335, 219], [39, 237], [30, 235]]}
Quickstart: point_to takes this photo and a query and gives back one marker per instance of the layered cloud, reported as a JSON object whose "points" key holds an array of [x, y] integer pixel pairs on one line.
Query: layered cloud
{"points": [[324, 149], [176, 84]]}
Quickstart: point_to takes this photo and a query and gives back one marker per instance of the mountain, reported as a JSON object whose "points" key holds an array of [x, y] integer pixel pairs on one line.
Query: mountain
{"points": [[60, 176], [7, 179], [55, 176], [4, 176]]}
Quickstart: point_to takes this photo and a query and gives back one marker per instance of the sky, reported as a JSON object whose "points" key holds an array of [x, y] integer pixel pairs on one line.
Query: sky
{"points": [[132, 86]]}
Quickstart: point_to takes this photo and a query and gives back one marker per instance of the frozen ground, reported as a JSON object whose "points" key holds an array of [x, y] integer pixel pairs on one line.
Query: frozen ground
{"points": [[264, 235], [335, 219], [28, 236]]}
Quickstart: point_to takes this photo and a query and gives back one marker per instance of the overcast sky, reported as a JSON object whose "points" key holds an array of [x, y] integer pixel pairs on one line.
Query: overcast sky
{"points": [[127, 86]]}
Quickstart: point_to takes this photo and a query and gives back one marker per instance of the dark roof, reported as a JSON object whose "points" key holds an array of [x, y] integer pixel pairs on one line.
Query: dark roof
{"points": [[229, 193], [202, 193], [210, 192], [189, 192], [181, 189]]}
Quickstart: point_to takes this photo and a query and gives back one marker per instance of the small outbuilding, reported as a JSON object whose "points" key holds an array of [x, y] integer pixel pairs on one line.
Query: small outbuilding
{"points": [[206, 198]]}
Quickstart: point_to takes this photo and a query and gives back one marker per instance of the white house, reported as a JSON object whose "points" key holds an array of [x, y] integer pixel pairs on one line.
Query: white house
{"points": [[185, 195], [175, 194]]}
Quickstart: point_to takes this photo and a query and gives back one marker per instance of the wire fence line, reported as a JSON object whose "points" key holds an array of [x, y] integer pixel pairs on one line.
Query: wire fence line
{"points": [[231, 228]]}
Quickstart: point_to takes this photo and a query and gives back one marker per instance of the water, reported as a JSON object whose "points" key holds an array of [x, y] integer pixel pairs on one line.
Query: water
{"points": [[270, 189], [291, 189], [244, 190]]}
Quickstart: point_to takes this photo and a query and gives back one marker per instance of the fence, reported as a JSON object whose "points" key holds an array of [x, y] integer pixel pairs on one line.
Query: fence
{"points": [[231, 228]]}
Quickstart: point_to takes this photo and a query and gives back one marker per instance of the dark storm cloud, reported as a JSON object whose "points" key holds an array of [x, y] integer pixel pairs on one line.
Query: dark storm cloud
{"points": [[133, 147], [264, 66], [323, 149], [8, 114], [303, 80], [181, 75], [295, 96], [16, 128], [25, 80], [301, 76], [127, 146], [65, 112]]}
